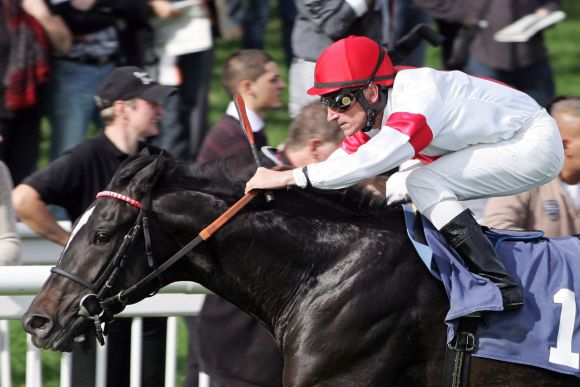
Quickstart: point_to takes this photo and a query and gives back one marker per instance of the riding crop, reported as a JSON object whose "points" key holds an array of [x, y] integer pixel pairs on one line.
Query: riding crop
{"points": [[241, 107]]}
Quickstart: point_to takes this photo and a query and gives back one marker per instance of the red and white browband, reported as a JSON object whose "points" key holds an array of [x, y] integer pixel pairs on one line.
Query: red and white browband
{"points": [[115, 195]]}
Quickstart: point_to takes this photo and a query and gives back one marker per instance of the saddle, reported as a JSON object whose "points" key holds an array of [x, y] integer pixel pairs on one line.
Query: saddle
{"points": [[545, 332]]}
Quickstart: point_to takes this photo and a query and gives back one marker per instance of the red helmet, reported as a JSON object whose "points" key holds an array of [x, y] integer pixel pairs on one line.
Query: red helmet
{"points": [[352, 62]]}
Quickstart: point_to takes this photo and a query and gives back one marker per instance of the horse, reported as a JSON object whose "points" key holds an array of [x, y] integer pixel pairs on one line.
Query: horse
{"points": [[331, 274]]}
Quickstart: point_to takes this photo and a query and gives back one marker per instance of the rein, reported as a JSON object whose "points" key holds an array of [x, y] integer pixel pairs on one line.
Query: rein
{"points": [[203, 235], [95, 306]]}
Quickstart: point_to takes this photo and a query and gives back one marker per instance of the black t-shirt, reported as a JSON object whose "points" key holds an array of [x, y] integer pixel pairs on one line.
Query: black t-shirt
{"points": [[73, 180]]}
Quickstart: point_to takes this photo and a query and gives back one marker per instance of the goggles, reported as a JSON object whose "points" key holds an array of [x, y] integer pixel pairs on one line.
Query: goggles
{"points": [[340, 101]]}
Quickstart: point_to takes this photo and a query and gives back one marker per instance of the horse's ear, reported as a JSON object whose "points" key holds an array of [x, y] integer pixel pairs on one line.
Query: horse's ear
{"points": [[148, 176]]}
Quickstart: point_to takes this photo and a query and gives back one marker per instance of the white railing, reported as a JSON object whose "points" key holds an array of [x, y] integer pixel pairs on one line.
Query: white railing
{"points": [[19, 284]]}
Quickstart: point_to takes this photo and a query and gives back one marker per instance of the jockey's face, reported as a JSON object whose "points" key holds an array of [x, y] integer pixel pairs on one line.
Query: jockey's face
{"points": [[350, 120], [351, 117]]}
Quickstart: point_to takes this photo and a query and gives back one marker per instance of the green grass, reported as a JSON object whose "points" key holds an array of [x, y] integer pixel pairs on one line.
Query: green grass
{"points": [[564, 50], [564, 53]]}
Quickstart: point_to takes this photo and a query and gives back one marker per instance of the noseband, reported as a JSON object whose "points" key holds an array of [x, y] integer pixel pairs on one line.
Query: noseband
{"points": [[97, 305]]}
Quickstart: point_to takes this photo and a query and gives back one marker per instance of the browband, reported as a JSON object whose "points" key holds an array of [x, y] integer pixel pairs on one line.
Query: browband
{"points": [[115, 195]]}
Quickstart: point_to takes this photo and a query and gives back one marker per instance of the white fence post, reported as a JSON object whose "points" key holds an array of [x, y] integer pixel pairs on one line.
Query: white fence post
{"points": [[101, 366], [33, 365], [136, 351], [203, 380], [66, 370], [5, 369], [170, 351]]}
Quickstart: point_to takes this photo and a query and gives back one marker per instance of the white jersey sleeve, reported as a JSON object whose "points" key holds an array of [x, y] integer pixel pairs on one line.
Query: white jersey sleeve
{"points": [[381, 153]]}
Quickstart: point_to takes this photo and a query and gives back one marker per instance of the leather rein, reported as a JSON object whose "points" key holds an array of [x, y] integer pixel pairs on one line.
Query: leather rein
{"points": [[97, 304]]}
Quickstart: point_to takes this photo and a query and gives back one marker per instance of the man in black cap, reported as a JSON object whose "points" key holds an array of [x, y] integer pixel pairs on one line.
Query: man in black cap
{"points": [[131, 106]]}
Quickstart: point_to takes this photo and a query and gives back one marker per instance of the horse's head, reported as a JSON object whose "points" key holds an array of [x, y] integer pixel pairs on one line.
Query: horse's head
{"points": [[96, 266]]}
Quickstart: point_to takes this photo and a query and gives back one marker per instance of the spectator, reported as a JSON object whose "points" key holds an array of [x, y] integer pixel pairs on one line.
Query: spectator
{"points": [[130, 103], [318, 24], [9, 238], [465, 130], [553, 207], [407, 16], [184, 44], [310, 139], [450, 31], [525, 65], [252, 18], [28, 32], [254, 75], [97, 49]]}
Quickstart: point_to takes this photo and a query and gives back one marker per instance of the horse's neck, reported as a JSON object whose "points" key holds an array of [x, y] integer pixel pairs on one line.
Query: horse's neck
{"points": [[268, 260], [263, 262]]}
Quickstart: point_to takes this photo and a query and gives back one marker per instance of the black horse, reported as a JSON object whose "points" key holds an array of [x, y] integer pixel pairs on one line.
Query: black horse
{"points": [[332, 275]]}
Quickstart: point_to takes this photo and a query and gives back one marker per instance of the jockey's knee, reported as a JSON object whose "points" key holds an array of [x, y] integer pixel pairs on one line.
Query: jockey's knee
{"points": [[426, 188]]}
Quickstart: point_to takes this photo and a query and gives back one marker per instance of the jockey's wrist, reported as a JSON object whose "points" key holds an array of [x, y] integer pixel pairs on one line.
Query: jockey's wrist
{"points": [[301, 177]]}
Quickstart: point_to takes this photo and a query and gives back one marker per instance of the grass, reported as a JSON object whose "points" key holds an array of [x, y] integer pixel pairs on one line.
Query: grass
{"points": [[565, 58]]}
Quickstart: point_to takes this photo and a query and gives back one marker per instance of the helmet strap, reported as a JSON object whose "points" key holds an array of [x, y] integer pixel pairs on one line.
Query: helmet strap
{"points": [[372, 110]]}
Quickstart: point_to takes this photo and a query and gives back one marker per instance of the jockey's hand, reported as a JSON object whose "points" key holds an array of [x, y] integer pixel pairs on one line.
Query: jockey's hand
{"points": [[266, 178]]}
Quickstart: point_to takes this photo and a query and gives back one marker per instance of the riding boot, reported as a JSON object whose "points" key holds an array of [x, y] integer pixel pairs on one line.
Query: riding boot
{"points": [[464, 234]]}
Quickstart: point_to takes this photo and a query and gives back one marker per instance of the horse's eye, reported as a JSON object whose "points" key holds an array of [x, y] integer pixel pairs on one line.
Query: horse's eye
{"points": [[102, 237]]}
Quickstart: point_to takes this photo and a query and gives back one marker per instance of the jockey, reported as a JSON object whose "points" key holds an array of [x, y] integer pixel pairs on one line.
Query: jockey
{"points": [[469, 137]]}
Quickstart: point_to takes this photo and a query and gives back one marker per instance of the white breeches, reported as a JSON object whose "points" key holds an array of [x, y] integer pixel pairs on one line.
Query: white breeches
{"points": [[532, 157]]}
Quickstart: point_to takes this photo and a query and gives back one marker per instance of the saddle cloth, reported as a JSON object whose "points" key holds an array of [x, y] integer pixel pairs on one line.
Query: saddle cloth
{"points": [[545, 332]]}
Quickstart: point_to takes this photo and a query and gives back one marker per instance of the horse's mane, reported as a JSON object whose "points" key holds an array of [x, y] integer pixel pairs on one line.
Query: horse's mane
{"points": [[225, 178], [350, 202]]}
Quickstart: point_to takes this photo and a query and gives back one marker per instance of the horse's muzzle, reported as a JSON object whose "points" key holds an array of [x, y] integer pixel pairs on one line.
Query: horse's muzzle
{"points": [[48, 335]]}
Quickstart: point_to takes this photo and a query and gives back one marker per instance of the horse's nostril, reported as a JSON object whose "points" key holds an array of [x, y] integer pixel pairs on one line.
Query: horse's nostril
{"points": [[38, 325]]}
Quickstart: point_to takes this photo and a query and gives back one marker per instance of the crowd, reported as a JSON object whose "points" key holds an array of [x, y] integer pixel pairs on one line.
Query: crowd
{"points": [[112, 77]]}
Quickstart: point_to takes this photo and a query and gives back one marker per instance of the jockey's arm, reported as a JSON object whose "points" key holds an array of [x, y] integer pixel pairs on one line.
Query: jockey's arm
{"points": [[383, 152], [33, 211]]}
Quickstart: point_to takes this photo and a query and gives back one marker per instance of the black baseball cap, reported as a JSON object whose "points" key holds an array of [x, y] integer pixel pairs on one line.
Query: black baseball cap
{"points": [[128, 82]]}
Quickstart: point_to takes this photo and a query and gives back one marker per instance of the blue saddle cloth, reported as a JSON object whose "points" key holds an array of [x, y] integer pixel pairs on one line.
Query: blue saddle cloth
{"points": [[545, 332]]}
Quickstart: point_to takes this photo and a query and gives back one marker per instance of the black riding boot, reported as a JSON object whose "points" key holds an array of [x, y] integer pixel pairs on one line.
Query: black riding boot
{"points": [[464, 234]]}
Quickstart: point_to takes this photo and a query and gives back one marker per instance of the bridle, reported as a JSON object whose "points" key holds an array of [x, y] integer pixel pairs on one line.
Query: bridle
{"points": [[99, 305], [91, 305]]}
